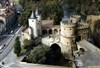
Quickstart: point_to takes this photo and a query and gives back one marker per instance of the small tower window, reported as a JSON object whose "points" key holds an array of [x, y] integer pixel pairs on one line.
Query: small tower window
{"points": [[67, 42], [70, 28], [32, 20]]}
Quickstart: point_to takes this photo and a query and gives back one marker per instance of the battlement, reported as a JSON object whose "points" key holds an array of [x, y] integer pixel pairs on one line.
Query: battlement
{"points": [[82, 23], [67, 24], [76, 16], [83, 27]]}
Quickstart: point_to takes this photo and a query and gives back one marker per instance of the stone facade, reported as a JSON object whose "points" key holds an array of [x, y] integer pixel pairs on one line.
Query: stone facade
{"points": [[91, 19], [63, 34]]}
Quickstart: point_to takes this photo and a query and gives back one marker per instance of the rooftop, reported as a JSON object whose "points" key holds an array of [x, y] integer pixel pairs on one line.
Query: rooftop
{"points": [[8, 12], [33, 16], [25, 30], [47, 23]]}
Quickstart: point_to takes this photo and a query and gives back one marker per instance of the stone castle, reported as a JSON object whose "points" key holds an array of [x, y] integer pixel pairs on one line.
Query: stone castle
{"points": [[64, 34]]}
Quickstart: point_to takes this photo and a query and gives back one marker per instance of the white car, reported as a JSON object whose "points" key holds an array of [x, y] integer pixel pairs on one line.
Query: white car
{"points": [[18, 24], [11, 31]]}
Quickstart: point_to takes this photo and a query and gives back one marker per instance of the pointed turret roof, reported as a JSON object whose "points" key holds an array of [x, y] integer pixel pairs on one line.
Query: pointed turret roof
{"points": [[37, 12], [33, 16]]}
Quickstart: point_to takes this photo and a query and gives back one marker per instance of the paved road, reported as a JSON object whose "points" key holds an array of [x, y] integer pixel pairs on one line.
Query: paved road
{"points": [[7, 49], [7, 35], [3, 39]]}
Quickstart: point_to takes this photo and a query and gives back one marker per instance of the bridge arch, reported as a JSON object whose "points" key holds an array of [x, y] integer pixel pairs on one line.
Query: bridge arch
{"points": [[55, 47]]}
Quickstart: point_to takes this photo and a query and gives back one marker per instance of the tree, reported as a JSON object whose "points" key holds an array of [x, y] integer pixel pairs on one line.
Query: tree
{"points": [[52, 10], [49, 9], [28, 46], [17, 46], [84, 7], [96, 33], [28, 6], [37, 55]]}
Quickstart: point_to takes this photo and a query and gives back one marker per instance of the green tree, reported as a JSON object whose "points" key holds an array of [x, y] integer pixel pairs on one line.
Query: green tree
{"points": [[28, 6], [17, 46], [52, 10], [96, 33], [84, 7], [37, 55], [28, 44], [49, 9]]}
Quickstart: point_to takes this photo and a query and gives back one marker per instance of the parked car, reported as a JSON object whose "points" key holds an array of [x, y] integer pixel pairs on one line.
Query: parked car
{"points": [[11, 31]]}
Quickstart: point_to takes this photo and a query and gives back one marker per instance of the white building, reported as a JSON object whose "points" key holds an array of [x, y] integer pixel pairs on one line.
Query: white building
{"points": [[35, 24]]}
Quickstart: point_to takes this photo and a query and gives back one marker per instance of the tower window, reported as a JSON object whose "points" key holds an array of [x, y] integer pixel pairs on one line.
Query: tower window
{"points": [[32, 20], [67, 42], [70, 29]]}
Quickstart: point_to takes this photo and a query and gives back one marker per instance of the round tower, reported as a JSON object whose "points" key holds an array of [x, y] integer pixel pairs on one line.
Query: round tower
{"points": [[33, 23], [39, 19], [67, 35]]}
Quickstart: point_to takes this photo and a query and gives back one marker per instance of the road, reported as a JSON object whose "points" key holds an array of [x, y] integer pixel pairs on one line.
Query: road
{"points": [[9, 44], [7, 35]]}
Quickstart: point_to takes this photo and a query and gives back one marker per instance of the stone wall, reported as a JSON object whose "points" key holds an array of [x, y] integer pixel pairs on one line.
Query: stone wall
{"points": [[91, 19]]}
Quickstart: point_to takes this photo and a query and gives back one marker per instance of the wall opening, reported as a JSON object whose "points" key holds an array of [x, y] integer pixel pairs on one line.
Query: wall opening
{"points": [[44, 32], [55, 47], [81, 50], [50, 31], [1, 21], [55, 31]]}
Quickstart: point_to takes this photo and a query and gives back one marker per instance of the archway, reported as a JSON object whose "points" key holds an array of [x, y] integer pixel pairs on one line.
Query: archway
{"points": [[81, 50], [1, 21], [55, 47], [55, 31], [44, 32], [50, 31], [54, 55]]}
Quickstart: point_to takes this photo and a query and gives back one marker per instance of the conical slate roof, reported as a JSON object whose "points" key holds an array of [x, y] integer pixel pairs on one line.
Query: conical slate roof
{"points": [[37, 12], [33, 16]]}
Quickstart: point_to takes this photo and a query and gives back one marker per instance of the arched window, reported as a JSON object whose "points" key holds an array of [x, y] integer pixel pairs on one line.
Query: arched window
{"points": [[55, 31], [50, 31], [44, 32], [1, 21]]}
